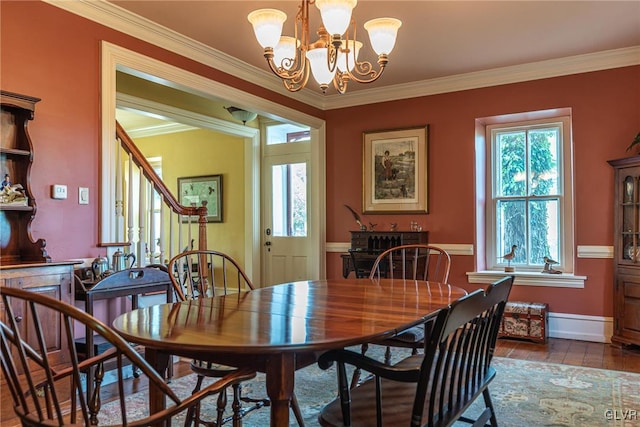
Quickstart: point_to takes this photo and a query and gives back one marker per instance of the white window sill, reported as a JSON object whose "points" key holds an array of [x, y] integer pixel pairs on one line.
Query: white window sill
{"points": [[528, 278]]}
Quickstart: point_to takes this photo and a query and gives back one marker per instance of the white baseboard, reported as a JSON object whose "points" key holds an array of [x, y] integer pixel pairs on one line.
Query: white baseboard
{"points": [[580, 327]]}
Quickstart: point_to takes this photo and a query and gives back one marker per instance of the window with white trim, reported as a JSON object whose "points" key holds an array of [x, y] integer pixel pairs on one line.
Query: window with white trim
{"points": [[530, 194]]}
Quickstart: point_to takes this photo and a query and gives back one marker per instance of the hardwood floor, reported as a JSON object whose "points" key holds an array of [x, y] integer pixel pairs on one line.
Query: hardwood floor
{"points": [[570, 352]]}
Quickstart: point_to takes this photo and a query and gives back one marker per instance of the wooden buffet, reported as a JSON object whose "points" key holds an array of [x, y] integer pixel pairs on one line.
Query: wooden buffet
{"points": [[54, 279]]}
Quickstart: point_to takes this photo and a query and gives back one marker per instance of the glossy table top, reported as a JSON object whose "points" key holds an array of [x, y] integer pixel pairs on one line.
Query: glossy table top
{"points": [[281, 328], [298, 316]]}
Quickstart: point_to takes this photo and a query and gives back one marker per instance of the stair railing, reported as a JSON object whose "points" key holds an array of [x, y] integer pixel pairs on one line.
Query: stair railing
{"points": [[137, 230]]}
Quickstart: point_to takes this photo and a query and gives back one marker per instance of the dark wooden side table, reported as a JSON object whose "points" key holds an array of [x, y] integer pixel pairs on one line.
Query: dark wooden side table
{"points": [[374, 242], [126, 283]]}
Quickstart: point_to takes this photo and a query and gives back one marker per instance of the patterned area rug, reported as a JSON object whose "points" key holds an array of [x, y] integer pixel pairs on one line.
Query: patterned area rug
{"points": [[524, 394]]}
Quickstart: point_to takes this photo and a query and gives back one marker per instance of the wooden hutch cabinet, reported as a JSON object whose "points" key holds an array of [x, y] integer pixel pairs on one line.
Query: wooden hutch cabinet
{"points": [[626, 251], [16, 154], [24, 263]]}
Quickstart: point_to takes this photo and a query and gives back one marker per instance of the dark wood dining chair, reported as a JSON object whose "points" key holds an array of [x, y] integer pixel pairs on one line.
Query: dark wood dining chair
{"points": [[362, 262], [46, 395], [414, 262], [207, 273], [430, 389]]}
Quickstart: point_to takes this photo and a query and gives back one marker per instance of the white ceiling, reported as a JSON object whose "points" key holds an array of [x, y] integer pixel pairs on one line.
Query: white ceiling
{"points": [[139, 125], [439, 41], [437, 38]]}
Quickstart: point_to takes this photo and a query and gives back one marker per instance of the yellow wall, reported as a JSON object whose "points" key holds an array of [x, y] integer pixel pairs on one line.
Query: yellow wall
{"points": [[203, 152]]}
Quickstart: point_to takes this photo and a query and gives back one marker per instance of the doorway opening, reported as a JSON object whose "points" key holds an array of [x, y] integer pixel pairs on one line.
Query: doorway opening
{"points": [[116, 59]]}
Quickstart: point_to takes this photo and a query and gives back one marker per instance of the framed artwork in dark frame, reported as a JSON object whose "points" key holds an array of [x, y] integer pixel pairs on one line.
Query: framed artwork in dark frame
{"points": [[195, 190], [395, 171]]}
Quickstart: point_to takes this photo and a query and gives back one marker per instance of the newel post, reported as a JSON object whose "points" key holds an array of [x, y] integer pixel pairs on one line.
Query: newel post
{"points": [[202, 227]]}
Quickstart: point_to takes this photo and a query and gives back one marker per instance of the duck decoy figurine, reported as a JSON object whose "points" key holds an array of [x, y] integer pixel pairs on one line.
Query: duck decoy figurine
{"points": [[509, 256], [548, 266]]}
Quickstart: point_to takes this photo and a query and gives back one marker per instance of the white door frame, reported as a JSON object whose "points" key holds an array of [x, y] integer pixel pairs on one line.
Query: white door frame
{"points": [[115, 58]]}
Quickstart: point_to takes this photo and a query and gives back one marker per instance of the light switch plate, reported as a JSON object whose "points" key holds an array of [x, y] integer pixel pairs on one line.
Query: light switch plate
{"points": [[83, 195], [58, 191]]}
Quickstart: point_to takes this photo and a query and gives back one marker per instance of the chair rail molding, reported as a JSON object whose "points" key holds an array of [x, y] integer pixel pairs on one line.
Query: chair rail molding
{"points": [[451, 248]]}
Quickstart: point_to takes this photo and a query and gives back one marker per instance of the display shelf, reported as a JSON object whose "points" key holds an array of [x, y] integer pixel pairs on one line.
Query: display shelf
{"points": [[16, 157]]}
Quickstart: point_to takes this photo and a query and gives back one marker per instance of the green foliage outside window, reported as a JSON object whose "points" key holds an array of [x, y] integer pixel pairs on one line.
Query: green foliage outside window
{"points": [[299, 199], [528, 194]]}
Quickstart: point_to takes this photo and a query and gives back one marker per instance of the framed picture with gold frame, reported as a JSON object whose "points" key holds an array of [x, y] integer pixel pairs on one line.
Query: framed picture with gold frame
{"points": [[395, 171], [195, 190]]}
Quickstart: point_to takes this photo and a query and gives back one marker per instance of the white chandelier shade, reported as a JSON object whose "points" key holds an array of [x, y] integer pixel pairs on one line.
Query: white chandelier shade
{"points": [[333, 57], [318, 60], [267, 25], [382, 34], [336, 14]]}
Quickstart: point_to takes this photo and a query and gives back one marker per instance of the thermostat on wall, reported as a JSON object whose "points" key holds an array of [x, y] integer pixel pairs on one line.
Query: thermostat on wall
{"points": [[58, 191]]}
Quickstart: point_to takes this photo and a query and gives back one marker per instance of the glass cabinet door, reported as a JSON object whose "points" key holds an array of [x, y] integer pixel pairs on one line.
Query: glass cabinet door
{"points": [[630, 215]]}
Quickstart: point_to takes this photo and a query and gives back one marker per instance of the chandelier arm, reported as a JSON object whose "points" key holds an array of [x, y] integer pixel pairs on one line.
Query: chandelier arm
{"points": [[340, 81], [298, 82], [332, 57], [285, 73], [366, 69]]}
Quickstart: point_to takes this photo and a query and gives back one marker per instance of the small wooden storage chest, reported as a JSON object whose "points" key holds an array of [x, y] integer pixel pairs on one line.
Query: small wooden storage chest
{"points": [[527, 320]]}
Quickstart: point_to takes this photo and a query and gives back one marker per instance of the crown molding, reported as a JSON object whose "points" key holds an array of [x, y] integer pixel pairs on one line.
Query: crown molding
{"points": [[577, 64], [119, 19]]}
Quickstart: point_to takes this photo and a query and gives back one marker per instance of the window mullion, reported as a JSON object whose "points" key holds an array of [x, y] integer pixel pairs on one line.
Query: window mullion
{"points": [[527, 205]]}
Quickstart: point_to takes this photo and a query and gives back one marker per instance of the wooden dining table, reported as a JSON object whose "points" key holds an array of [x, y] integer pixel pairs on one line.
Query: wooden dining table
{"points": [[282, 328]]}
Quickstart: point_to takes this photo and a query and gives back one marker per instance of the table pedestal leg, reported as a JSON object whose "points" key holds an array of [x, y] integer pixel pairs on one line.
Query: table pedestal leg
{"points": [[280, 371], [157, 400]]}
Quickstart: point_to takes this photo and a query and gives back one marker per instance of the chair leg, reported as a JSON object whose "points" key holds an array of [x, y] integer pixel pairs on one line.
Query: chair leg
{"points": [[236, 405], [95, 403], [198, 384], [489, 404], [296, 410], [193, 413], [190, 417], [221, 405], [355, 378]]}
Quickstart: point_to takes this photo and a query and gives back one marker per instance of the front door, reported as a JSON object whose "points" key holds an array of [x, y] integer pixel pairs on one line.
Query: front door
{"points": [[286, 201]]}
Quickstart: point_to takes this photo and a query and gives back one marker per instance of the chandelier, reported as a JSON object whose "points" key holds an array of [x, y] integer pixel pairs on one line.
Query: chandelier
{"points": [[333, 57]]}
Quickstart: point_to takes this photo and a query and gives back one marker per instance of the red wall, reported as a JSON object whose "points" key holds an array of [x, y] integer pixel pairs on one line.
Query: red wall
{"points": [[54, 55], [606, 116]]}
